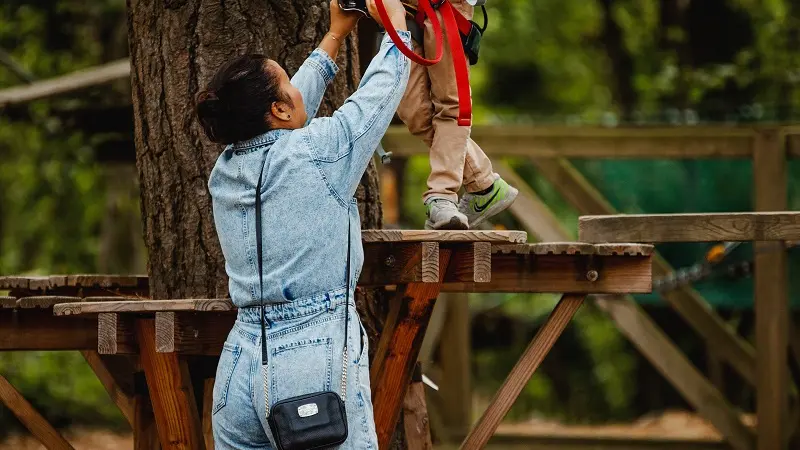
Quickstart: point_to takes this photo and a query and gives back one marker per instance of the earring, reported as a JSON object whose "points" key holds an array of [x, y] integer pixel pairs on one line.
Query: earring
{"points": [[290, 116]]}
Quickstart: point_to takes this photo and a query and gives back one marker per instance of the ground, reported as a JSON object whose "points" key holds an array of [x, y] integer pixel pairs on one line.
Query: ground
{"points": [[671, 424]]}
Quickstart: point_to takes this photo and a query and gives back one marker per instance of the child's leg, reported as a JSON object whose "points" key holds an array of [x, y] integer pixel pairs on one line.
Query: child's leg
{"points": [[416, 109]]}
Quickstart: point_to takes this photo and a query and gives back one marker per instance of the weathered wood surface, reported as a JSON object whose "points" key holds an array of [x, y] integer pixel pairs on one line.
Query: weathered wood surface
{"points": [[33, 421], [192, 333], [415, 414], [369, 236], [527, 364], [8, 302], [143, 306], [177, 418], [44, 301], [393, 374], [38, 329], [771, 286], [594, 142], [744, 226], [100, 281], [115, 334]]}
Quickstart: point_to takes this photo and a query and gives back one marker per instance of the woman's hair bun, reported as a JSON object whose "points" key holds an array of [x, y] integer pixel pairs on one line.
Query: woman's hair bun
{"points": [[208, 104]]}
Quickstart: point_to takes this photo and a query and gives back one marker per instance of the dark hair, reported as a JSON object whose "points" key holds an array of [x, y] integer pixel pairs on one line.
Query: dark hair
{"points": [[235, 104]]}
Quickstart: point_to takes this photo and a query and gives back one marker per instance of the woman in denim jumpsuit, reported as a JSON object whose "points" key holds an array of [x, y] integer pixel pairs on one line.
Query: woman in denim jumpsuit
{"points": [[311, 168]]}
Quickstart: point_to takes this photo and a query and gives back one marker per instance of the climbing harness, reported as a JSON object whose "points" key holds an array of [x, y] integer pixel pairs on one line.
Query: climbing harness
{"points": [[463, 36]]}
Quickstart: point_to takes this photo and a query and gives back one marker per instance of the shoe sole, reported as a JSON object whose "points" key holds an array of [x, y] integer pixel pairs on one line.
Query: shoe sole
{"points": [[452, 224], [498, 207]]}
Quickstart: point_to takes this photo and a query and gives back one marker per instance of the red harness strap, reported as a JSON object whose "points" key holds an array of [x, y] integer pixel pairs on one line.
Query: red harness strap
{"points": [[455, 24]]}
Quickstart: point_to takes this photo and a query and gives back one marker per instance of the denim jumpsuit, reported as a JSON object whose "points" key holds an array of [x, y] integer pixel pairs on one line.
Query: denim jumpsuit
{"points": [[310, 176]]}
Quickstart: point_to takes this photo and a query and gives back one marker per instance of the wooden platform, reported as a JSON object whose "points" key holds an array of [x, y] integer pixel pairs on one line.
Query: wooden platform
{"points": [[112, 316]]}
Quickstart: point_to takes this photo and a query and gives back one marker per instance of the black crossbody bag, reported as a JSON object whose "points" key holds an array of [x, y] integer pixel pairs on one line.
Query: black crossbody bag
{"points": [[313, 421]]}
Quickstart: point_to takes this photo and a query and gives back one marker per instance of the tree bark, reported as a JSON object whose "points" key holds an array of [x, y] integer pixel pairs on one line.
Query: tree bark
{"points": [[175, 47]]}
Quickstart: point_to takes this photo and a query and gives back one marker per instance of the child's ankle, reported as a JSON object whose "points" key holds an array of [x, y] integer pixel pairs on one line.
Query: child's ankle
{"points": [[485, 191]]}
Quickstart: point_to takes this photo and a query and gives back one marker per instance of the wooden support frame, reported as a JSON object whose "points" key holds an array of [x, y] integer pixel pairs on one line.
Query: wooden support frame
{"points": [[634, 323], [720, 338], [521, 373], [115, 334], [175, 411], [37, 329], [192, 333], [117, 381], [392, 373], [33, 421], [771, 296]]}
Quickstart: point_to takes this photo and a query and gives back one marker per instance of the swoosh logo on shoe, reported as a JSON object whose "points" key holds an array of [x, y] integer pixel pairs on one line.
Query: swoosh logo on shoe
{"points": [[480, 208]]}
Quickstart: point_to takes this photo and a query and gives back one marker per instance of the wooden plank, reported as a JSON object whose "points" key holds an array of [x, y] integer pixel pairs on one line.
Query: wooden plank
{"points": [[14, 282], [107, 281], [174, 407], [593, 142], [192, 333], [470, 262], [720, 337], [743, 226], [33, 421], [523, 370], [387, 334], [443, 236], [110, 378], [208, 406], [44, 301], [563, 273], [401, 262], [8, 302], [46, 282], [37, 329], [430, 262], [675, 367], [394, 374], [771, 296], [143, 306], [115, 334]]}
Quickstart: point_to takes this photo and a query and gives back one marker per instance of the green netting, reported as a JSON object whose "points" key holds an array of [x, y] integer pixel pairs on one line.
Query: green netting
{"points": [[692, 186]]}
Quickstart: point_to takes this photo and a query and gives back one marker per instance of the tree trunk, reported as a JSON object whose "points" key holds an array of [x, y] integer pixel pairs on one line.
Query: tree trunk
{"points": [[175, 47]]}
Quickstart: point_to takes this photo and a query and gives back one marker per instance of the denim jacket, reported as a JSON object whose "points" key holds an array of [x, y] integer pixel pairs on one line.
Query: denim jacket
{"points": [[310, 176]]}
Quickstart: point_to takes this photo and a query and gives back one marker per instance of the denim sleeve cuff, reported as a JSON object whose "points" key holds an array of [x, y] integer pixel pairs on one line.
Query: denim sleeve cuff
{"points": [[405, 37], [324, 64]]}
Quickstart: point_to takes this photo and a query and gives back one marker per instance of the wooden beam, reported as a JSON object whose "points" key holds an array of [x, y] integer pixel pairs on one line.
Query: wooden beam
{"points": [[667, 358], [720, 337], [523, 371], [80, 79], [513, 237], [192, 333], [771, 296], [143, 306], [651, 341], [38, 329], [594, 142], [394, 373], [758, 226], [8, 302], [112, 380], [33, 421], [44, 302], [145, 433], [174, 407], [415, 414], [115, 334]]}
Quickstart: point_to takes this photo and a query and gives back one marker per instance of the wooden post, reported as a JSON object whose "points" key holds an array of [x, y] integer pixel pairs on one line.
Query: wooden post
{"points": [[454, 355], [415, 414], [145, 434], [392, 375], [771, 297], [522, 371], [174, 406]]}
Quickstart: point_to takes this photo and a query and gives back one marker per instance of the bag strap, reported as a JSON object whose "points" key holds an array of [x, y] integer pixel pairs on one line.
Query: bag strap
{"points": [[264, 355]]}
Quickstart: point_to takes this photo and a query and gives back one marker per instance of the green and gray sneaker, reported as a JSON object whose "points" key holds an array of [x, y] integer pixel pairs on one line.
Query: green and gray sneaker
{"points": [[480, 207], [444, 215]]}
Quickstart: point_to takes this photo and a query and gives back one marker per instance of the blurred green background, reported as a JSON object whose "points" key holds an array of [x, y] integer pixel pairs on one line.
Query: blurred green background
{"points": [[607, 63]]}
